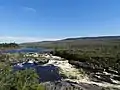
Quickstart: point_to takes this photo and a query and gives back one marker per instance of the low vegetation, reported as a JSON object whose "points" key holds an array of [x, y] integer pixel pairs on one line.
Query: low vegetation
{"points": [[4, 46], [99, 52]]}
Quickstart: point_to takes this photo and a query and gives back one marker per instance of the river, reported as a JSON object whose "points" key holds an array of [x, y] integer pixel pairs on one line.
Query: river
{"points": [[58, 69], [28, 50]]}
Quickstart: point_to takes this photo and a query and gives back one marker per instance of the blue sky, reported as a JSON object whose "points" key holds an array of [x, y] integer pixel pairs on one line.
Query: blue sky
{"points": [[38, 20]]}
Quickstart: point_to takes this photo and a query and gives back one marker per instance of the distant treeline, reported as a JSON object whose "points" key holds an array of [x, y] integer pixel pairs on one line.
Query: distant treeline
{"points": [[8, 45]]}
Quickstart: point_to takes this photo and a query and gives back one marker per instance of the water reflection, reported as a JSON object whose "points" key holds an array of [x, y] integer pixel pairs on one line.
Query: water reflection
{"points": [[27, 50]]}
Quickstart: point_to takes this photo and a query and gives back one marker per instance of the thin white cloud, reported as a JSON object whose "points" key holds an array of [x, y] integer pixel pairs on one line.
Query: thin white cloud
{"points": [[29, 9], [8, 39]]}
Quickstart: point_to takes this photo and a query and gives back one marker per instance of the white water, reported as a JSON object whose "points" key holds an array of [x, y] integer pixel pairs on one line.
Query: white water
{"points": [[30, 61], [76, 75], [68, 70], [20, 64]]}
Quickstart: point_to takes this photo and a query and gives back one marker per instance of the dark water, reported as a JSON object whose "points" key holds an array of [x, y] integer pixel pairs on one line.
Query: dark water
{"points": [[27, 50], [46, 73]]}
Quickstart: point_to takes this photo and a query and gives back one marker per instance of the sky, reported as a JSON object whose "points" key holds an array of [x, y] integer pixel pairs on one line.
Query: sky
{"points": [[39, 20]]}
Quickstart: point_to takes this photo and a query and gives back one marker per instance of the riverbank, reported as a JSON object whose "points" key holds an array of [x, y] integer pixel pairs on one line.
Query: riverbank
{"points": [[73, 74]]}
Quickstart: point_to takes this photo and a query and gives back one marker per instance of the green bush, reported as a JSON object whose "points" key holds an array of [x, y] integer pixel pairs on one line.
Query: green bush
{"points": [[23, 80], [18, 80]]}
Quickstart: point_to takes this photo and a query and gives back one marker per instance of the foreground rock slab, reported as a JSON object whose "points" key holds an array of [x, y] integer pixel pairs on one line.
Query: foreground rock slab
{"points": [[63, 85]]}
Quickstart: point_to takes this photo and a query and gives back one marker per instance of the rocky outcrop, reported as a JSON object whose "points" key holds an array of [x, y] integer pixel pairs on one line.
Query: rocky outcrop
{"points": [[64, 85], [42, 61], [86, 65]]}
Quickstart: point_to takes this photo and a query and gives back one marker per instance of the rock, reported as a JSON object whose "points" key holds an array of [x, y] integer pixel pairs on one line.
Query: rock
{"points": [[64, 85], [41, 61], [86, 65], [81, 64]]}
